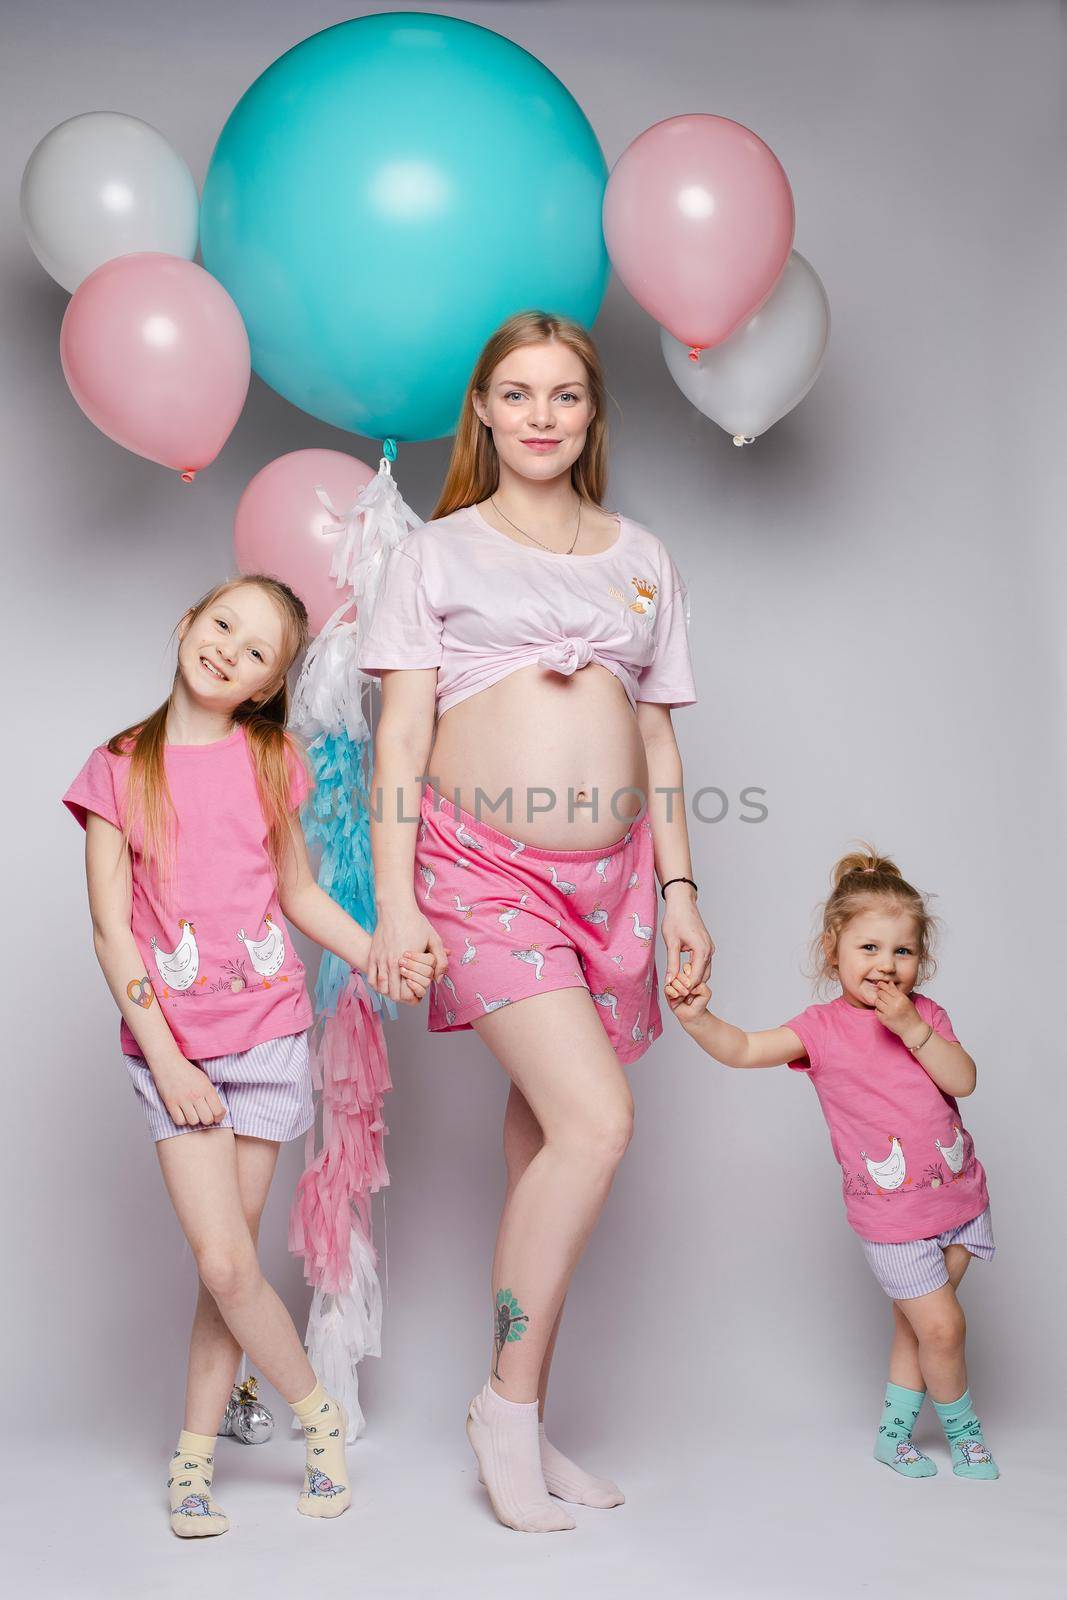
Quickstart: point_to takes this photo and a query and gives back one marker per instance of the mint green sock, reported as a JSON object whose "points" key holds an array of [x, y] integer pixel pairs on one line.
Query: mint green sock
{"points": [[970, 1453], [893, 1444]]}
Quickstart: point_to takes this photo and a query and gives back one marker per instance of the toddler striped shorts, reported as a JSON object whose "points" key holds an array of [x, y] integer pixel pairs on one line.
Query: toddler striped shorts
{"points": [[266, 1090], [917, 1266]]}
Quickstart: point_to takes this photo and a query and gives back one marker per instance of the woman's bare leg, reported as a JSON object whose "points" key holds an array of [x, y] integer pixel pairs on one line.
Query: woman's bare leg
{"points": [[558, 1058], [563, 1477], [556, 1053], [523, 1138]]}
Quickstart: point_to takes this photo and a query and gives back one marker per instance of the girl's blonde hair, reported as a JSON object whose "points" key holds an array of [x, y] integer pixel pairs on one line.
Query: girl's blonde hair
{"points": [[861, 880], [148, 794], [474, 468]]}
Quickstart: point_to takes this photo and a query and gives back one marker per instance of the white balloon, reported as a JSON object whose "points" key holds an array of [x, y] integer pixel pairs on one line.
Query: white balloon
{"points": [[768, 365], [102, 185]]}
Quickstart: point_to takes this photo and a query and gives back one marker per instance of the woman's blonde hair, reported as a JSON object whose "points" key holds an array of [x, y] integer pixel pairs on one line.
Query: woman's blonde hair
{"points": [[148, 794], [861, 880], [474, 469]]}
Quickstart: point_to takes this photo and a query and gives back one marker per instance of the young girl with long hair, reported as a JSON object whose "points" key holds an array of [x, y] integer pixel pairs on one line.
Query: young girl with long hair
{"points": [[889, 1071], [195, 862], [537, 643]]}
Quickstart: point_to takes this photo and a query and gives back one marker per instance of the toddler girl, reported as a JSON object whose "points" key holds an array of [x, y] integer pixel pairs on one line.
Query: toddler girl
{"points": [[888, 1070], [195, 859]]}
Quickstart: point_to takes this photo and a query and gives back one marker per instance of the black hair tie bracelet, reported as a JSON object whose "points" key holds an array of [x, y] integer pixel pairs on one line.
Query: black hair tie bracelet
{"points": [[664, 886]]}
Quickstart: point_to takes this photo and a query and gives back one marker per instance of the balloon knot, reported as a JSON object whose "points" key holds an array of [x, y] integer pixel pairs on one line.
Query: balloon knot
{"points": [[741, 439], [389, 449], [694, 352], [187, 476]]}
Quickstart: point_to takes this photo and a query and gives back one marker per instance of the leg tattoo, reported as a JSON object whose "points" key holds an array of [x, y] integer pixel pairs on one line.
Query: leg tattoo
{"points": [[510, 1320]]}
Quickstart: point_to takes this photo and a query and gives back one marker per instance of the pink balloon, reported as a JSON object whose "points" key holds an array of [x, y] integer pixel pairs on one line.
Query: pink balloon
{"points": [[156, 354], [698, 221], [284, 529]]}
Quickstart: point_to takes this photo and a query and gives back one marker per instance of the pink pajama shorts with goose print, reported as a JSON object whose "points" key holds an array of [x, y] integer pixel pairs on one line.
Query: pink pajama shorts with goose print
{"points": [[517, 920]]}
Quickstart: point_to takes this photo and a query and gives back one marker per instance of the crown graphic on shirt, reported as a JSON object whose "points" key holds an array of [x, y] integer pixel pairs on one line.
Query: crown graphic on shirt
{"points": [[645, 587]]}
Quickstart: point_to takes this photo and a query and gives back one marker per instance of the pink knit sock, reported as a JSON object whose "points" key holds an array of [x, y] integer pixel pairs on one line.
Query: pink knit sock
{"points": [[570, 1482], [504, 1436]]}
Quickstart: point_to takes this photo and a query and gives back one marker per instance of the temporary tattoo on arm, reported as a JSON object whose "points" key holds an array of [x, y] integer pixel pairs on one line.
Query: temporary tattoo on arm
{"points": [[510, 1320], [140, 992]]}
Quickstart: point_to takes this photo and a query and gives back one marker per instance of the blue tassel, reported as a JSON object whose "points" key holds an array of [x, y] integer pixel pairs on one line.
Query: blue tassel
{"points": [[335, 817]]}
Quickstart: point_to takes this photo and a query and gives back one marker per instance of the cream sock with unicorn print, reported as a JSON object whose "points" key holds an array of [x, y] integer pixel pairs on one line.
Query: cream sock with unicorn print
{"points": [[193, 1513], [326, 1492]]}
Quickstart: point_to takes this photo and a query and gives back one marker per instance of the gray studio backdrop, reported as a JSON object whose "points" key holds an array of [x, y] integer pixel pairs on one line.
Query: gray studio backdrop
{"points": [[875, 626]]}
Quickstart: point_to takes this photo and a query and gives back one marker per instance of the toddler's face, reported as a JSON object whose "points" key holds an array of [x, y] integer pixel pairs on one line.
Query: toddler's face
{"points": [[880, 944], [233, 651], [538, 406]]}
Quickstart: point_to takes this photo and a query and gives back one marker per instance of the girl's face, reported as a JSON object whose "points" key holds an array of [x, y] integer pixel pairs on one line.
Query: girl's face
{"points": [[538, 407], [879, 943], [232, 651]]}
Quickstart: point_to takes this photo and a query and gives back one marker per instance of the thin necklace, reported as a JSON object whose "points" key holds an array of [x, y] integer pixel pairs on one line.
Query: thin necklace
{"points": [[526, 535]]}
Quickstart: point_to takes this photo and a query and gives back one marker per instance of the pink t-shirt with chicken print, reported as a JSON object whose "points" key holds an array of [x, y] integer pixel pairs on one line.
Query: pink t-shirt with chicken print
{"points": [[217, 952], [908, 1166]]}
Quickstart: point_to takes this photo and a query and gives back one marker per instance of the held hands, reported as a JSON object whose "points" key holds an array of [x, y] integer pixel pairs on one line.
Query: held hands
{"points": [[409, 938], [690, 947], [189, 1095], [687, 1004], [416, 971], [896, 1010]]}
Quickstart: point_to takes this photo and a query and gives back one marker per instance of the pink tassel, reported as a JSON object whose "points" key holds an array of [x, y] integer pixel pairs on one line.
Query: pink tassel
{"points": [[351, 1068]]}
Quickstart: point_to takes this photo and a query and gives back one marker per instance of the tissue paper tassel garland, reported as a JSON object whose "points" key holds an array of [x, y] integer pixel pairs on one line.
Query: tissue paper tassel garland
{"points": [[330, 1222]]}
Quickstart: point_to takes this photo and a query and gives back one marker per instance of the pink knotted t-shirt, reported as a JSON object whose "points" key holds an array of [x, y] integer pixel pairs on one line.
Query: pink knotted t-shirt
{"points": [[458, 595]]}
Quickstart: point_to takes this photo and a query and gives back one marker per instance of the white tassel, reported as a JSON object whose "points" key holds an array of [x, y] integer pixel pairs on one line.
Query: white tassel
{"points": [[369, 530], [342, 1329], [331, 694]]}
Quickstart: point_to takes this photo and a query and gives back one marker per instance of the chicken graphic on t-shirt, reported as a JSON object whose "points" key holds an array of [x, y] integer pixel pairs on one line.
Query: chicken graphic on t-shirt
{"points": [[179, 967], [268, 953], [890, 1173], [953, 1153]]}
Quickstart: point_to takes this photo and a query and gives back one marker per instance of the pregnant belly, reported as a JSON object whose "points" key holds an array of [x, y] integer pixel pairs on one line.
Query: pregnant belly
{"points": [[559, 750]]}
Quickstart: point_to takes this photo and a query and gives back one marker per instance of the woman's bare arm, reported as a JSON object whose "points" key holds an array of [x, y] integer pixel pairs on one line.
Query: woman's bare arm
{"points": [[401, 748]]}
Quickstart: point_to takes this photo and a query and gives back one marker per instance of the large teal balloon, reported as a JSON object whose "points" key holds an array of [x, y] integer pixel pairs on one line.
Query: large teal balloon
{"points": [[382, 197]]}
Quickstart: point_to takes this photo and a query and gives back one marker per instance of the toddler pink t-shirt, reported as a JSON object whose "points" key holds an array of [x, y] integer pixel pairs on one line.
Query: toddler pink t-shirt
{"points": [[458, 595], [909, 1170], [218, 953]]}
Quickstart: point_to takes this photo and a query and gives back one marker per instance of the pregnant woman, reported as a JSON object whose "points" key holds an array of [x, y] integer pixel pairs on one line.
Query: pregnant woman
{"points": [[538, 643]]}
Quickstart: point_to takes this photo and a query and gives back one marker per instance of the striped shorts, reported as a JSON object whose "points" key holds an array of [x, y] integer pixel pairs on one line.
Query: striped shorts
{"points": [[266, 1090], [917, 1266]]}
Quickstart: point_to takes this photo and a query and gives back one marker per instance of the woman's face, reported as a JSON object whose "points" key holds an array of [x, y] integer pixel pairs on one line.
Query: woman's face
{"points": [[538, 407]]}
